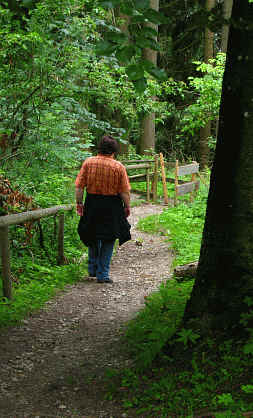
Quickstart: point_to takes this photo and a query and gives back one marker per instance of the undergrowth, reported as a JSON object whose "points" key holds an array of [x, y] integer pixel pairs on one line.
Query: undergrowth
{"points": [[35, 273]]}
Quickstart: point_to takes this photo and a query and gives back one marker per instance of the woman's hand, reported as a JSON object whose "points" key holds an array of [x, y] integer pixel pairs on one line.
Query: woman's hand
{"points": [[127, 211], [79, 209]]}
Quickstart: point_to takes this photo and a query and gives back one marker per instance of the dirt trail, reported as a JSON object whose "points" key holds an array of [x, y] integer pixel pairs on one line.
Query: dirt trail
{"points": [[53, 364]]}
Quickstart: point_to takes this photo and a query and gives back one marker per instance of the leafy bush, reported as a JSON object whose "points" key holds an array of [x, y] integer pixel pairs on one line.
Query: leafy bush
{"points": [[207, 89]]}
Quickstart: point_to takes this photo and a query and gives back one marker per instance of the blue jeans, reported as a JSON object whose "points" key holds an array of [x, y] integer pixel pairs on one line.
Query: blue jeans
{"points": [[99, 258]]}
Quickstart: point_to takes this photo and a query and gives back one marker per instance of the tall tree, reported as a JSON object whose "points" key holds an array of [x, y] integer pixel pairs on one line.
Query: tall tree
{"points": [[205, 132], [147, 138], [125, 20], [225, 272], [227, 9]]}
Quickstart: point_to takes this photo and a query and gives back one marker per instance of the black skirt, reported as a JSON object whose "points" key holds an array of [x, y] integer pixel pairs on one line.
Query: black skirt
{"points": [[103, 219]]}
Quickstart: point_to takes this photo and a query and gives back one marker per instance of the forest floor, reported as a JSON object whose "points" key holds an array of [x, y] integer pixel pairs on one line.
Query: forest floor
{"points": [[54, 363]]}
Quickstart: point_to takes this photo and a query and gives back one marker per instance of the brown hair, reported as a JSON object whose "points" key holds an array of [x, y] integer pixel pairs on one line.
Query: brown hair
{"points": [[108, 145]]}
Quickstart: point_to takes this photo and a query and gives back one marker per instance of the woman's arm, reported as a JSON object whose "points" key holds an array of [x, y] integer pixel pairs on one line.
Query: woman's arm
{"points": [[79, 201], [125, 196]]}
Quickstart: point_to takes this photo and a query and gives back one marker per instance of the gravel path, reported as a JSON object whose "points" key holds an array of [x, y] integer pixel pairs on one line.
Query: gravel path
{"points": [[53, 364]]}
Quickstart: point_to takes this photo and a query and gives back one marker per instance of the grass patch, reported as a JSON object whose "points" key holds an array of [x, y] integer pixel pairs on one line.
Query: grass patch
{"points": [[36, 286], [182, 225]]}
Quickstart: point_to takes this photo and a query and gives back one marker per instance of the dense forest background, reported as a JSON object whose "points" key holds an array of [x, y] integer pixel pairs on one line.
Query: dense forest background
{"points": [[64, 83]]}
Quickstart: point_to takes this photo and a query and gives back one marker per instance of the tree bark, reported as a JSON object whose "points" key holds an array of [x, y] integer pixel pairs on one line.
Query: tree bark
{"points": [[123, 147], [225, 271], [227, 10], [61, 259], [209, 36], [147, 138], [5, 256], [205, 132]]}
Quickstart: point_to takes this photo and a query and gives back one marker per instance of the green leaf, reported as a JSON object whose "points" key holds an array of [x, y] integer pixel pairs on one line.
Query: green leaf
{"points": [[147, 65], [152, 69], [105, 48], [149, 31], [247, 388], [154, 16], [141, 4], [160, 75], [27, 3], [127, 8], [137, 19], [248, 348], [140, 85], [147, 43], [118, 37], [135, 72], [125, 53]]}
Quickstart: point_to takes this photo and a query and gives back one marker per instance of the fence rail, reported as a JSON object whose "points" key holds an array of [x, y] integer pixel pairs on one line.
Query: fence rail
{"points": [[151, 174], [16, 219]]}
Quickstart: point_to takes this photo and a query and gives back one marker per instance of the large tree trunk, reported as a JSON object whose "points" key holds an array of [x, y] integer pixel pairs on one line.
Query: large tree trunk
{"points": [[225, 270], [147, 138], [123, 147], [209, 36], [227, 9], [205, 132]]}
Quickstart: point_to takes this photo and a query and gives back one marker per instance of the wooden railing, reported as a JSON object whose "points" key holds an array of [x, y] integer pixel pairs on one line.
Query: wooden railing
{"points": [[189, 186], [15, 219], [151, 173]]}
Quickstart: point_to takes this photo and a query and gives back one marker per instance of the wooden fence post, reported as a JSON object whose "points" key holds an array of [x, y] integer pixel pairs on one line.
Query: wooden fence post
{"points": [[155, 179], [196, 186], [148, 184], [5, 255], [176, 184], [61, 258], [165, 191]]}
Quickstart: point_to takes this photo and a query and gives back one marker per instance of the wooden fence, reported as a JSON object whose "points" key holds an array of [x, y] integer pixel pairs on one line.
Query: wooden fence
{"points": [[189, 186], [150, 174], [15, 219], [153, 174]]}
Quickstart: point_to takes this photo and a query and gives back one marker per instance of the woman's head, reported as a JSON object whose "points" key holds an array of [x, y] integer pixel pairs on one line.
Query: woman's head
{"points": [[108, 145]]}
